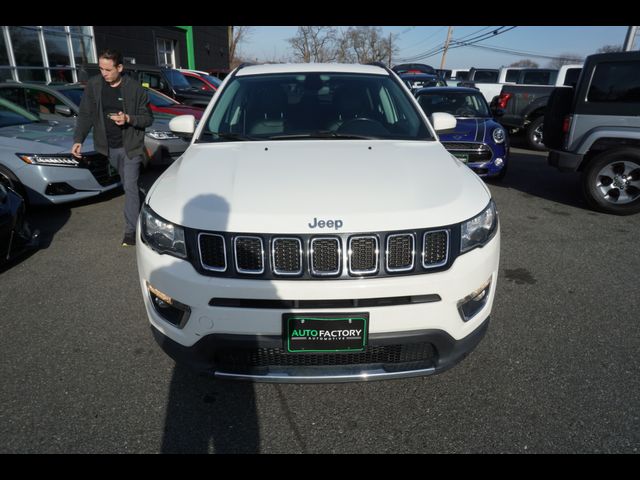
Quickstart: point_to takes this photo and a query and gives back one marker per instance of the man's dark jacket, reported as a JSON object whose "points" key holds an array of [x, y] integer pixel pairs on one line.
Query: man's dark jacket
{"points": [[135, 104]]}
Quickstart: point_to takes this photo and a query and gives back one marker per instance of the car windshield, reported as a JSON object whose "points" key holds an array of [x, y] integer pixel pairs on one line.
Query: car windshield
{"points": [[215, 81], [176, 78], [159, 100], [73, 94], [314, 105], [459, 104], [12, 115]]}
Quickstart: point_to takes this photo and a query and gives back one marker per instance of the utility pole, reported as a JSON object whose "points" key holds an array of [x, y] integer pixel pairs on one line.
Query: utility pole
{"points": [[630, 39], [446, 46]]}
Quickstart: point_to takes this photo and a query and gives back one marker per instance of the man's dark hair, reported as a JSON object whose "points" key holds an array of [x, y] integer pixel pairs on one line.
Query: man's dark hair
{"points": [[114, 55]]}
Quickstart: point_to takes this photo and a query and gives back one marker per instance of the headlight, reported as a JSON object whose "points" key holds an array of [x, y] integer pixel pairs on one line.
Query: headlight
{"points": [[498, 135], [157, 135], [62, 160], [161, 235], [480, 229]]}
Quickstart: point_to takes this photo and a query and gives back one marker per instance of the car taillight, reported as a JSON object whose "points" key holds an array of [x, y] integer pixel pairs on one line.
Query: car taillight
{"points": [[504, 99], [566, 124]]}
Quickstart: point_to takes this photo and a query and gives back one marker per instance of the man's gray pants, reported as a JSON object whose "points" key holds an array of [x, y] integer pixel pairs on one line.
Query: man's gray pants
{"points": [[129, 170]]}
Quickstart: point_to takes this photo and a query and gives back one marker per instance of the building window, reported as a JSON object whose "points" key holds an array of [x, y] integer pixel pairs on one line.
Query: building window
{"points": [[166, 52], [47, 54]]}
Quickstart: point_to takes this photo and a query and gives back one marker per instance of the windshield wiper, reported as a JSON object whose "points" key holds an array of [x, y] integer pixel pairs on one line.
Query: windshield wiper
{"points": [[231, 136], [322, 134]]}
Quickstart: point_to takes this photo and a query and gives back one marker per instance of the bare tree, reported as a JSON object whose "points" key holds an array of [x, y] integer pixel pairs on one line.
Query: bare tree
{"points": [[237, 35], [314, 44], [525, 63], [365, 44], [610, 49], [565, 59]]}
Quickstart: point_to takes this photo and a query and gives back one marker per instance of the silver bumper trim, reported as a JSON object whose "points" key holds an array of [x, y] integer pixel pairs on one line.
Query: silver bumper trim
{"points": [[365, 376]]}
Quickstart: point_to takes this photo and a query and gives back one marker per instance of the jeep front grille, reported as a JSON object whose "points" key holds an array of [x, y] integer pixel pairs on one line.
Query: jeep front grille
{"points": [[306, 256]]}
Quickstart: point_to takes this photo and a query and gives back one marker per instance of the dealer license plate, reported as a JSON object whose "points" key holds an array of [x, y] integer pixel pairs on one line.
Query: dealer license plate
{"points": [[325, 333]]}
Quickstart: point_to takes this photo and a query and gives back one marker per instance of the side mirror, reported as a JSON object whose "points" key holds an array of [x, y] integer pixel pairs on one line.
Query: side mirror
{"points": [[63, 110], [183, 125], [443, 121]]}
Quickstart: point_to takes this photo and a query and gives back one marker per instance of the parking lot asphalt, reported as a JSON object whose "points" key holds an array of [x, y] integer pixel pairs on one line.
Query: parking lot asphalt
{"points": [[557, 372]]}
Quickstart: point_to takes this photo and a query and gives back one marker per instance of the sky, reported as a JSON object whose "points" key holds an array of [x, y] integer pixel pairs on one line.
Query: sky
{"points": [[269, 43]]}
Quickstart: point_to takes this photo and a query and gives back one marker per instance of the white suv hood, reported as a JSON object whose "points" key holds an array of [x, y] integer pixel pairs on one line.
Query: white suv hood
{"points": [[282, 186]]}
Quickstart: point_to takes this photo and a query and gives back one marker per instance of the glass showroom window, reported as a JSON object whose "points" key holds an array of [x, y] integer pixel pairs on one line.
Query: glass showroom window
{"points": [[57, 44]]}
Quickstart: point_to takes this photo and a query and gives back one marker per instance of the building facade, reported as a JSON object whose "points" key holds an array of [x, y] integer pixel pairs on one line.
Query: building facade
{"points": [[53, 54]]}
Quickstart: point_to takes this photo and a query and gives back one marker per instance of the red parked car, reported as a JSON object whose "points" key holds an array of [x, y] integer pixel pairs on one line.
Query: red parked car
{"points": [[201, 80], [160, 103]]}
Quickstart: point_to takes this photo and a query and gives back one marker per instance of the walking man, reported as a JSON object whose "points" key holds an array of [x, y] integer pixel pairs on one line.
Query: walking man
{"points": [[117, 108]]}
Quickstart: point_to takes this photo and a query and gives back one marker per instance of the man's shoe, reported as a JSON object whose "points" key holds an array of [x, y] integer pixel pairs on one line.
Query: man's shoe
{"points": [[129, 239]]}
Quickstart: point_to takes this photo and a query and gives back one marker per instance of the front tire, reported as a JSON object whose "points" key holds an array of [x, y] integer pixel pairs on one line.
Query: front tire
{"points": [[611, 181]]}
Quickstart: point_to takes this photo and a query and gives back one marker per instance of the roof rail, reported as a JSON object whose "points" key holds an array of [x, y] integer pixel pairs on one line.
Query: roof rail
{"points": [[378, 64]]}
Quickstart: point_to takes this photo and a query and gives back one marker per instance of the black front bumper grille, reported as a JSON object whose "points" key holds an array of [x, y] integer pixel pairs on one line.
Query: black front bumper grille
{"points": [[99, 167], [247, 361]]}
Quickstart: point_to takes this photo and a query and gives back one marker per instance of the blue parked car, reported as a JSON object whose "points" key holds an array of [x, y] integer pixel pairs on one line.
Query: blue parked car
{"points": [[478, 140]]}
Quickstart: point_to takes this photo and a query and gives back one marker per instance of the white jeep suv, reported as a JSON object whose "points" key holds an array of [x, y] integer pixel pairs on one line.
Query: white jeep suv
{"points": [[316, 230]]}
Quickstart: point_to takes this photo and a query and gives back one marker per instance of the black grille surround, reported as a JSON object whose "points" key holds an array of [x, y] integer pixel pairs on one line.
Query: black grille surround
{"points": [[289, 256], [98, 165]]}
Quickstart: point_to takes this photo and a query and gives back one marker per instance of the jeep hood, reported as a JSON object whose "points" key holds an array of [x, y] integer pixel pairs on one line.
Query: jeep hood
{"points": [[282, 186]]}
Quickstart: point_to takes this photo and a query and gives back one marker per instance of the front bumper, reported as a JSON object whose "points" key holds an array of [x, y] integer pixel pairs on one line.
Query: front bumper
{"points": [[261, 358], [226, 340]]}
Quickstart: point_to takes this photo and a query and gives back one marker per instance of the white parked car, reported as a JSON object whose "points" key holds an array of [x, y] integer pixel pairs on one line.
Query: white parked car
{"points": [[316, 230]]}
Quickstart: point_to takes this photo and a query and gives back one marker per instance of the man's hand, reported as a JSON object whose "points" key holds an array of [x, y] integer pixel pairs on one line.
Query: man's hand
{"points": [[120, 118], [75, 150]]}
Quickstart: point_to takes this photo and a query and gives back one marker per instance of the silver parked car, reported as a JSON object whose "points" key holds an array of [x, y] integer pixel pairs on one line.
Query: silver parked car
{"points": [[36, 160], [61, 102]]}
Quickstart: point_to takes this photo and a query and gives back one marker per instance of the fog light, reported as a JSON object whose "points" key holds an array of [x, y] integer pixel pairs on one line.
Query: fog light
{"points": [[472, 304], [59, 188], [174, 312], [499, 162]]}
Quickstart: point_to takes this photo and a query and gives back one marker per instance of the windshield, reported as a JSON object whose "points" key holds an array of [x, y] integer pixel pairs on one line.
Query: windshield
{"points": [[177, 79], [213, 80], [73, 94], [459, 104], [11, 115], [314, 105], [159, 100]]}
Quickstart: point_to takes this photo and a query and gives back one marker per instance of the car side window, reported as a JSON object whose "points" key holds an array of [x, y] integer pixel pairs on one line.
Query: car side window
{"points": [[42, 103], [15, 95], [615, 82]]}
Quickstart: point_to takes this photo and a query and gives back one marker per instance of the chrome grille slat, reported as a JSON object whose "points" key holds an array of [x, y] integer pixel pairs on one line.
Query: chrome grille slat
{"points": [[435, 248], [287, 256], [249, 254], [400, 252], [363, 255], [325, 256], [213, 252]]}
